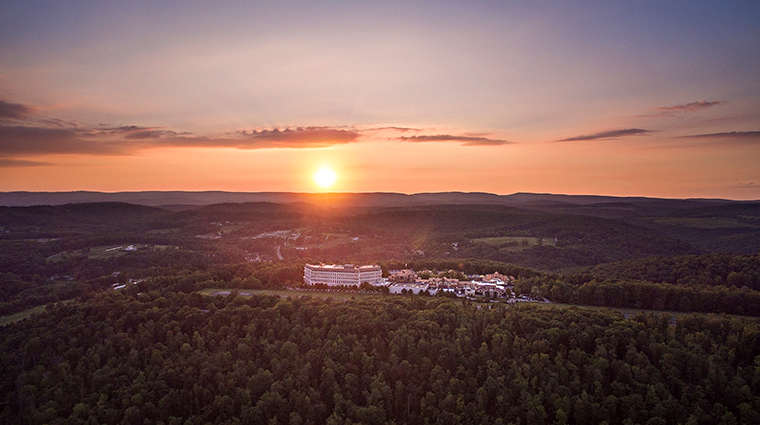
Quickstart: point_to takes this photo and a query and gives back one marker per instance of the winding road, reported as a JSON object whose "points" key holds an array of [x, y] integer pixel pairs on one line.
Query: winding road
{"points": [[279, 254]]}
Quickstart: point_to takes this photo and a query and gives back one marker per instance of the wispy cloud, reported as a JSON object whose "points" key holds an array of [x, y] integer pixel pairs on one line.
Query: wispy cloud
{"points": [[394, 128], [464, 140], [610, 134], [56, 123], [730, 135], [746, 186], [669, 111], [14, 111], [8, 162], [690, 107]]}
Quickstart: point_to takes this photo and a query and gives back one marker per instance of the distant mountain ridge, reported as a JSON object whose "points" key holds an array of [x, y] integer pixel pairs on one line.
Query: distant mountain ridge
{"points": [[385, 199]]}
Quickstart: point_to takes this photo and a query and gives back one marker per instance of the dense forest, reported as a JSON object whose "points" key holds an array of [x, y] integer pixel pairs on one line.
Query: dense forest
{"points": [[709, 269], [185, 358]]}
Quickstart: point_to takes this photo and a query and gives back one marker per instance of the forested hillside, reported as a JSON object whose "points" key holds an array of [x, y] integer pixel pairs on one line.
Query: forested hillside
{"points": [[184, 358], [710, 269], [714, 283]]}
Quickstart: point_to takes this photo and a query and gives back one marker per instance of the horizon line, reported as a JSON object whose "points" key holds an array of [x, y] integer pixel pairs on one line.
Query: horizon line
{"points": [[585, 195]]}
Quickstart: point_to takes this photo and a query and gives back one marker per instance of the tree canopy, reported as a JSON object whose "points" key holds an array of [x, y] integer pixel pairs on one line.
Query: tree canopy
{"points": [[185, 358]]}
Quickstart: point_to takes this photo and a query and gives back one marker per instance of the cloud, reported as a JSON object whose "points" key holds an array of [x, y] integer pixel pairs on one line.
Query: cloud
{"points": [[104, 140], [20, 140], [133, 132], [746, 186], [299, 137], [731, 135], [690, 107], [670, 111], [15, 111], [148, 134], [57, 123], [7, 162], [394, 128], [611, 134], [464, 140]]}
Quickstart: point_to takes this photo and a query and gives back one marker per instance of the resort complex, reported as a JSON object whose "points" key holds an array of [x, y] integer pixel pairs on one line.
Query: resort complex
{"points": [[426, 282]]}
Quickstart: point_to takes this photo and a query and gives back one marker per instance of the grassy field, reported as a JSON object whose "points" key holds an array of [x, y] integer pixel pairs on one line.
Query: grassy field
{"points": [[97, 252], [341, 295], [100, 252], [63, 256], [331, 240], [228, 228], [164, 247], [21, 315]]}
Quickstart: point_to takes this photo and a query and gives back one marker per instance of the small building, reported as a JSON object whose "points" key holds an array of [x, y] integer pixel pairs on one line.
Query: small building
{"points": [[410, 288], [497, 277], [486, 289], [405, 275]]}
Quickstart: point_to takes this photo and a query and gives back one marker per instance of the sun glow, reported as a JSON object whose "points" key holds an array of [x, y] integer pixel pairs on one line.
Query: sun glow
{"points": [[325, 178]]}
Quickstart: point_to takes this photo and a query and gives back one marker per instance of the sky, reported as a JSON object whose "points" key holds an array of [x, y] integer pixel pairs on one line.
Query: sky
{"points": [[644, 98]]}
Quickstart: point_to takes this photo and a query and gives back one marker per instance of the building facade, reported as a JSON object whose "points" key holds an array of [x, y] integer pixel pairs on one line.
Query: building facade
{"points": [[341, 275]]}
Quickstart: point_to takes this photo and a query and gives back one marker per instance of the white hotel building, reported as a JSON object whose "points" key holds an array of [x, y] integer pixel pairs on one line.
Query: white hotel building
{"points": [[341, 275]]}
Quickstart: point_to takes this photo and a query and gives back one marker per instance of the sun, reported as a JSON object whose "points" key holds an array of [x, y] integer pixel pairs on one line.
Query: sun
{"points": [[325, 177]]}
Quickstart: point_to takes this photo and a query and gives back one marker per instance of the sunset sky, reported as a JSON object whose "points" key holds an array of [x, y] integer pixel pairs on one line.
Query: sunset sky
{"points": [[637, 98]]}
